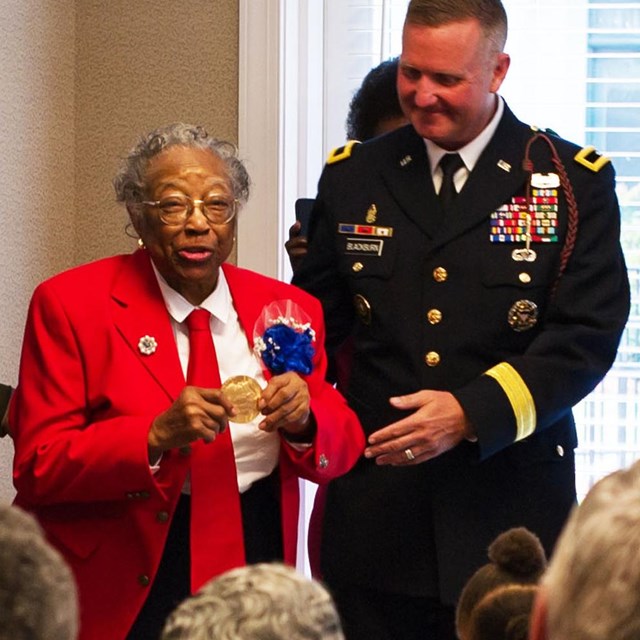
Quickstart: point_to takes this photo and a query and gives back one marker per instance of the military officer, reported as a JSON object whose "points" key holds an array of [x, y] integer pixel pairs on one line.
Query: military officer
{"points": [[484, 300]]}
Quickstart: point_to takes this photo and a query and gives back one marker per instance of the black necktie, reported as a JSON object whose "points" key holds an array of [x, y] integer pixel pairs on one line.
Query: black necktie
{"points": [[449, 164]]}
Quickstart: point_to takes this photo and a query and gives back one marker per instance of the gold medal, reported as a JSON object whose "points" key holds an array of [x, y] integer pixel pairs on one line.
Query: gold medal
{"points": [[244, 392]]}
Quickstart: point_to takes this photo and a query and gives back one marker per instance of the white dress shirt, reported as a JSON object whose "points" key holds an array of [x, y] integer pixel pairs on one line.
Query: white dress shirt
{"points": [[256, 452], [470, 153]]}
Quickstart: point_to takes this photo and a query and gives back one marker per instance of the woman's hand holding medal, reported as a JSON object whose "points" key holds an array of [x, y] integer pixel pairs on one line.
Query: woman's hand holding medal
{"points": [[285, 403]]}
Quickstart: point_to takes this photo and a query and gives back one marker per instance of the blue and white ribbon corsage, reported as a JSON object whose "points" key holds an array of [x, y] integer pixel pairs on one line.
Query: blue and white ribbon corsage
{"points": [[283, 338]]}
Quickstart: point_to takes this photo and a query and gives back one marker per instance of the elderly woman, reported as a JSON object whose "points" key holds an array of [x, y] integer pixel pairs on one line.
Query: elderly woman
{"points": [[154, 457]]}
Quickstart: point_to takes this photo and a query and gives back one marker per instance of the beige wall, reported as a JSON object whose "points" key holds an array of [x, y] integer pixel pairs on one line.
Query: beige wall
{"points": [[79, 81]]}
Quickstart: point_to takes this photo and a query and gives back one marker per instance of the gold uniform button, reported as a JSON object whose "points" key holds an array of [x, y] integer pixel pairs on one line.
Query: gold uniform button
{"points": [[432, 359], [440, 274], [524, 277], [434, 316], [560, 450], [144, 580], [357, 267], [162, 516]]}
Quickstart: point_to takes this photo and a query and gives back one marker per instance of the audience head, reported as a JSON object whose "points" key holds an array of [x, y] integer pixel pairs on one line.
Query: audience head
{"points": [[503, 614], [374, 108], [516, 557], [591, 590], [257, 602], [38, 598]]}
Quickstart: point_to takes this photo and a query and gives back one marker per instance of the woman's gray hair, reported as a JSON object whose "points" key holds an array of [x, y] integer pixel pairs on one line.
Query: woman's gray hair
{"points": [[129, 182]]}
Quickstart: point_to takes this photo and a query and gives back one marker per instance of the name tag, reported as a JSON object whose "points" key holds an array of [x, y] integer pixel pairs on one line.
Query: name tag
{"points": [[360, 246]]}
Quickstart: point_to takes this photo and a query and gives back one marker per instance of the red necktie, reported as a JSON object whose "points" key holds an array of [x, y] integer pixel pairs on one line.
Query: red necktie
{"points": [[217, 542]]}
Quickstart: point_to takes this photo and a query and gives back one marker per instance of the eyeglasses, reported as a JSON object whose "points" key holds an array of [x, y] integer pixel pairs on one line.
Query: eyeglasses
{"points": [[174, 210]]}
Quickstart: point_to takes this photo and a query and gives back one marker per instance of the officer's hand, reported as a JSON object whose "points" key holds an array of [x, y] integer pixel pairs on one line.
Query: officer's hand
{"points": [[437, 425], [296, 246]]}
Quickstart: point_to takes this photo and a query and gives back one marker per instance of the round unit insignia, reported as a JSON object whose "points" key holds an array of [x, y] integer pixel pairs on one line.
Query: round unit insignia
{"points": [[363, 308], [523, 315]]}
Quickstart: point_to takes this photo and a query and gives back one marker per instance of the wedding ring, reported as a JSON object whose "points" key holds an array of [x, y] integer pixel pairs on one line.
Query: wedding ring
{"points": [[409, 454]]}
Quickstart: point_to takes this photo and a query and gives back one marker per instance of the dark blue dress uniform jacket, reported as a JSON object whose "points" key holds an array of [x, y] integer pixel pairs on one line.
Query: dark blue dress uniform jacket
{"points": [[423, 530]]}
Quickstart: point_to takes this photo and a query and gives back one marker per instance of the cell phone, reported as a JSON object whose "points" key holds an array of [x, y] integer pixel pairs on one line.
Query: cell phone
{"points": [[303, 213]]}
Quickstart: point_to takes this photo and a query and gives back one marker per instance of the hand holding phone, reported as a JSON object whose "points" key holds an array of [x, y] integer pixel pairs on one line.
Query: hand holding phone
{"points": [[303, 213]]}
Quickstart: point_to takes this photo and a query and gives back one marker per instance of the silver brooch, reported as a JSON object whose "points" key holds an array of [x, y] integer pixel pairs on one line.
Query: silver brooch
{"points": [[147, 345]]}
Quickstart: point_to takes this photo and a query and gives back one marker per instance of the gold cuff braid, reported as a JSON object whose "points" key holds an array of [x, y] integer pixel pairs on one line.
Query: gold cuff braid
{"points": [[519, 396]]}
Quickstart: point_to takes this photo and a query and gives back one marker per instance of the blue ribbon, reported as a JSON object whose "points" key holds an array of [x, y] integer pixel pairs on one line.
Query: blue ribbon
{"points": [[287, 349]]}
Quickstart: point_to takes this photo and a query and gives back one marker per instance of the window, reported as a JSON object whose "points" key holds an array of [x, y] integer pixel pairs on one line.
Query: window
{"points": [[609, 419]]}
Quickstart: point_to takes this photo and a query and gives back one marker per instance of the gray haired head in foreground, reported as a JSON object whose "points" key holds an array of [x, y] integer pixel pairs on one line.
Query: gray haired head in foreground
{"points": [[592, 584], [257, 602], [38, 597]]}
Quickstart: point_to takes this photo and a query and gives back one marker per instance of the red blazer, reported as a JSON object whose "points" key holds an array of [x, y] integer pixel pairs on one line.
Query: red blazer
{"points": [[85, 401]]}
